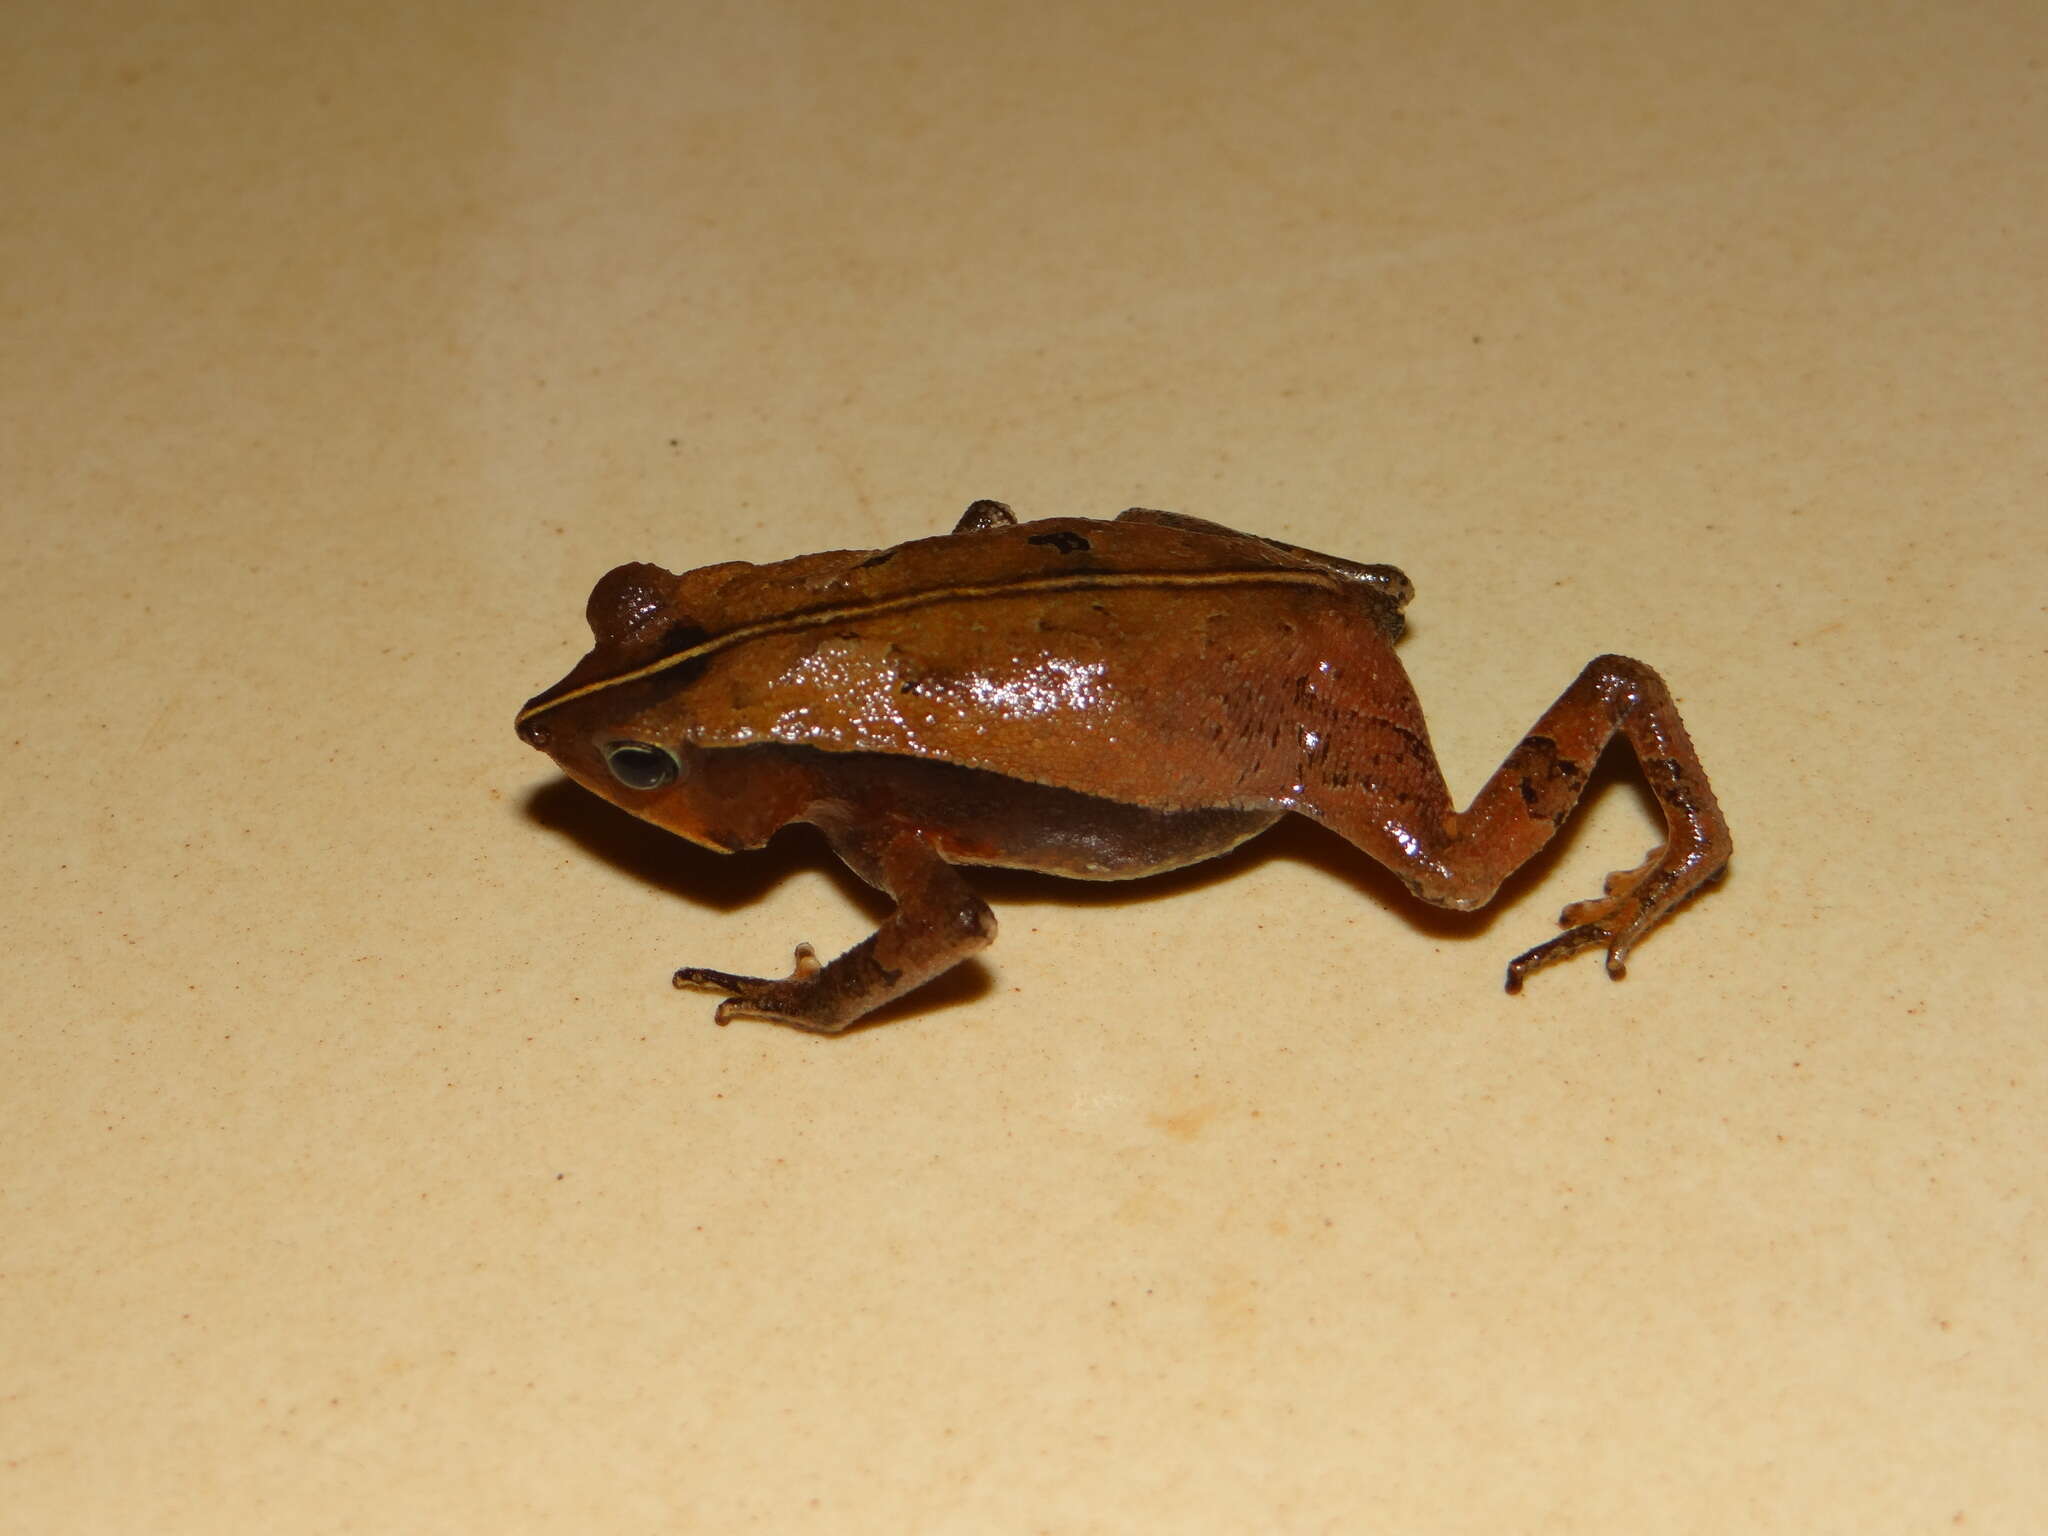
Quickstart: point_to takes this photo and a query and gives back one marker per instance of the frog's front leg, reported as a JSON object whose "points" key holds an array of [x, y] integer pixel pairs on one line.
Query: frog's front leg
{"points": [[938, 922], [1459, 860]]}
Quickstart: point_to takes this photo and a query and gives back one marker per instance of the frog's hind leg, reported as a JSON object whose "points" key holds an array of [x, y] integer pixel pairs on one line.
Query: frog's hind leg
{"points": [[1460, 859]]}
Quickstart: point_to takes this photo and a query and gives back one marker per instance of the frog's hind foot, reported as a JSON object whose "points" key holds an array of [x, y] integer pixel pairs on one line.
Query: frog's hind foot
{"points": [[1563, 947], [1635, 900]]}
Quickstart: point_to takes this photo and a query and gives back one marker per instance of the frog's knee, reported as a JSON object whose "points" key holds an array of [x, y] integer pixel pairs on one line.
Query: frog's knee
{"points": [[1622, 682]]}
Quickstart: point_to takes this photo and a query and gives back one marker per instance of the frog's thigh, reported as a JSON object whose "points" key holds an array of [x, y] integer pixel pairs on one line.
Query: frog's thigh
{"points": [[1373, 777]]}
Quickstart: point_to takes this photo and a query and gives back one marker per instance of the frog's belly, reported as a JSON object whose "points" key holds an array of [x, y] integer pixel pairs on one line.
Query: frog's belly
{"points": [[973, 816], [1123, 842]]}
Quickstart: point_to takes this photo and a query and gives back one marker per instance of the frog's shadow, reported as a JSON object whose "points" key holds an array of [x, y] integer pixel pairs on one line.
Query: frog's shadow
{"points": [[725, 882]]}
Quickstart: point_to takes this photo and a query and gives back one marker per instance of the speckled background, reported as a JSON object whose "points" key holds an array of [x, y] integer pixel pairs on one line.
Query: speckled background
{"points": [[359, 1170]]}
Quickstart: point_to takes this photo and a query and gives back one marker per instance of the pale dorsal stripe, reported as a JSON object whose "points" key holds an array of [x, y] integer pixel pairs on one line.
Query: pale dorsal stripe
{"points": [[810, 618]]}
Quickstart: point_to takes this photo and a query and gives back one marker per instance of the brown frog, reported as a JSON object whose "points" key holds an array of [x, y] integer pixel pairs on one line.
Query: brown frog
{"points": [[1098, 699]]}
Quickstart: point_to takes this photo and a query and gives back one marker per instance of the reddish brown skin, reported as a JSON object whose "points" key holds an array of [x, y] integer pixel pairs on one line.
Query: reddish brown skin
{"points": [[1098, 699]]}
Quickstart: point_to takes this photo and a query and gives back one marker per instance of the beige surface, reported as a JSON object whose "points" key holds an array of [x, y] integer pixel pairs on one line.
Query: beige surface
{"points": [[361, 1171]]}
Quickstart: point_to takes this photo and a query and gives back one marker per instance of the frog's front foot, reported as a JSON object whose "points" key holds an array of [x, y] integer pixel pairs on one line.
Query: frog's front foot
{"points": [[777, 1001], [1635, 899]]}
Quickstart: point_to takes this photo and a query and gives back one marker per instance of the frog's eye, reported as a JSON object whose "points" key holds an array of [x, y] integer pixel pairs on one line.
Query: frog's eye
{"points": [[638, 765]]}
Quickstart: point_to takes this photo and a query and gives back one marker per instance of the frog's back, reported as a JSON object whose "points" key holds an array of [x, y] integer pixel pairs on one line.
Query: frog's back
{"points": [[1166, 663], [1017, 560]]}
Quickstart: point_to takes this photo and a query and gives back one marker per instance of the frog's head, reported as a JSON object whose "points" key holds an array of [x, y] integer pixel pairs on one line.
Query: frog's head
{"points": [[611, 724]]}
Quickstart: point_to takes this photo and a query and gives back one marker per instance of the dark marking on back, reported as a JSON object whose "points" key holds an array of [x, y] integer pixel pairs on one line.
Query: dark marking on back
{"points": [[1063, 540]]}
